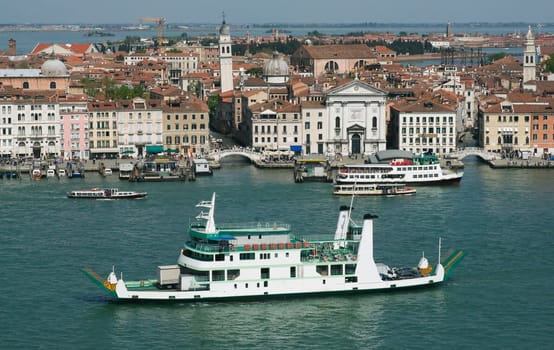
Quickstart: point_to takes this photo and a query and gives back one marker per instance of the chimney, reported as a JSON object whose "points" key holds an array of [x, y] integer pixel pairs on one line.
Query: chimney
{"points": [[11, 47]]}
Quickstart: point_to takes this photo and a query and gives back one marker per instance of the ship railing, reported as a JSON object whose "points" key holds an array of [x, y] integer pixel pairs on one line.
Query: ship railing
{"points": [[254, 226]]}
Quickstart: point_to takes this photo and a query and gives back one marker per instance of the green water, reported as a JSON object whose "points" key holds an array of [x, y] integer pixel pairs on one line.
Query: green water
{"points": [[500, 296]]}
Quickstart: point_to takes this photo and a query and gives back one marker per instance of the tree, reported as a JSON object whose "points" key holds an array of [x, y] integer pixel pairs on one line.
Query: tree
{"points": [[548, 64], [496, 56]]}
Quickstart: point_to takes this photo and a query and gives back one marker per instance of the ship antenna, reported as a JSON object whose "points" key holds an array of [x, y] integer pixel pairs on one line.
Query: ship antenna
{"points": [[440, 241], [351, 204]]}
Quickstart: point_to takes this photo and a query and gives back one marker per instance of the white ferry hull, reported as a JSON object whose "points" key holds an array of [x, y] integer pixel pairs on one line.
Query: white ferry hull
{"points": [[301, 288]]}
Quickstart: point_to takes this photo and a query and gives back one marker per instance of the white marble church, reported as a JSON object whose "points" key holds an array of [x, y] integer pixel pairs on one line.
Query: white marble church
{"points": [[356, 115]]}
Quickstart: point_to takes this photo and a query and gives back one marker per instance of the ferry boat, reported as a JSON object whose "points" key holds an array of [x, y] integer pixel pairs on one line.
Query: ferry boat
{"points": [[393, 166], [105, 193], [266, 260], [373, 189]]}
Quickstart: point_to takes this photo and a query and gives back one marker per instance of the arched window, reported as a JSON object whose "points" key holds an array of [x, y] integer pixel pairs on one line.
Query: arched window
{"points": [[515, 140], [52, 85], [331, 66], [25, 84], [499, 140], [374, 123], [337, 122], [527, 140], [487, 141]]}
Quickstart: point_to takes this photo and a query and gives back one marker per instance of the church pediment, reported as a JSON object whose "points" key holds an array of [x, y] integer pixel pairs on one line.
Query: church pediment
{"points": [[355, 128], [356, 88]]}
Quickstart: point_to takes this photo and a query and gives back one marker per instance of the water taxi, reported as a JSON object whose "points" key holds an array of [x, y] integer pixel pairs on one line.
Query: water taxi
{"points": [[373, 190], [394, 166], [105, 193], [266, 260]]}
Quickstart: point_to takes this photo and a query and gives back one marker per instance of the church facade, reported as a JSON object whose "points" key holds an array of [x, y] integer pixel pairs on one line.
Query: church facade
{"points": [[356, 122]]}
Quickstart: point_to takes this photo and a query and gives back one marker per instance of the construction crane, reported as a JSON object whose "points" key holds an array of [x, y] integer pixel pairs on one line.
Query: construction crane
{"points": [[160, 22]]}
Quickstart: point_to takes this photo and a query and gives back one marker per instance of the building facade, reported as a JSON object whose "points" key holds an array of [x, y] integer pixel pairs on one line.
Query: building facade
{"points": [[509, 127], [74, 129], [423, 126], [314, 127], [356, 121], [139, 124], [276, 126], [186, 128]]}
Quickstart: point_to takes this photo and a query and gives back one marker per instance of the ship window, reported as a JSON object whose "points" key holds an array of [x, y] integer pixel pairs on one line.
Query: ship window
{"points": [[246, 285], [350, 269], [232, 274], [293, 272], [247, 256], [219, 257], [264, 272], [218, 275], [235, 286], [266, 284], [287, 254], [322, 270], [336, 270], [351, 279], [260, 236]]}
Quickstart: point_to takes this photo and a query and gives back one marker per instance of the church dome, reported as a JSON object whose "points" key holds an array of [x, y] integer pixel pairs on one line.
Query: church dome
{"points": [[224, 29], [53, 68], [276, 67]]}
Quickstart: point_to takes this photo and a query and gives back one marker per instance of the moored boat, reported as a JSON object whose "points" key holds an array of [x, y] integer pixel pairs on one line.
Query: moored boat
{"points": [[373, 189], [105, 193], [393, 166], [266, 260]]}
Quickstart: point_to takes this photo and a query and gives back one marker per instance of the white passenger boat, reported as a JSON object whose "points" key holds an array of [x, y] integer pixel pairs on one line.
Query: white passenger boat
{"points": [[393, 166], [266, 260], [374, 189], [105, 193]]}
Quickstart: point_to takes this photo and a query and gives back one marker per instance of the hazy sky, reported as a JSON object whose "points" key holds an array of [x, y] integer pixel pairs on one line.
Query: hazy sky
{"points": [[282, 11]]}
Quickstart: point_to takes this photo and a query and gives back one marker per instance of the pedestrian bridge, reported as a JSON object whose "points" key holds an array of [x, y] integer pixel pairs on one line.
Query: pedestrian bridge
{"points": [[219, 154], [473, 151]]}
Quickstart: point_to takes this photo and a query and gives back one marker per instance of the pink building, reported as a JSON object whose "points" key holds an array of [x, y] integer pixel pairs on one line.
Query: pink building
{"points": [[74, 128]]}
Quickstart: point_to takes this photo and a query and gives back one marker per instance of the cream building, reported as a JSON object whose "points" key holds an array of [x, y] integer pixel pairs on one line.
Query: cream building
{"points": [[29, 124], [139, 124], [186, 127], [423, 126], [314, 126]]}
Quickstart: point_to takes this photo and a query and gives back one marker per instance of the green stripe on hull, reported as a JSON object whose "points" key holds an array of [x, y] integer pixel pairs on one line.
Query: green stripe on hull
{"points": [[452, 261], [99, 281]]}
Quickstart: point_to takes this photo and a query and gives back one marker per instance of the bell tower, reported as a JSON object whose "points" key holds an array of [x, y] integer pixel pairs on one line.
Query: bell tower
{"points": [[225, 57], [529, 64]]}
